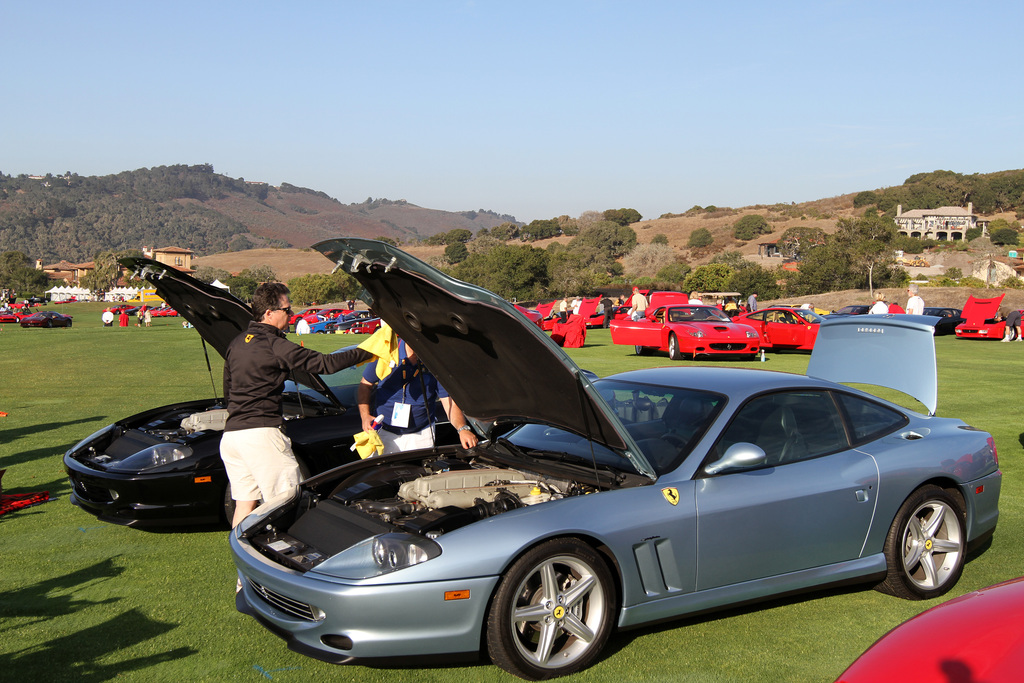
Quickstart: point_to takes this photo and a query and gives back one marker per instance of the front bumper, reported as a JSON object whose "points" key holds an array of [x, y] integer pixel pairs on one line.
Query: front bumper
{"points": [[340, 621], [165, 499]]}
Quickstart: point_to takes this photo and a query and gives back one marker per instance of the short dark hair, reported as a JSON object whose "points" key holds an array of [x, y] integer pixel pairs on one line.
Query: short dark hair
{"points": [[267, 297]]}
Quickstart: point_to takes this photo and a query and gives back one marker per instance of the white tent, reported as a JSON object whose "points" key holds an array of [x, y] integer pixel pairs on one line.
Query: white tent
{"points": [[121, 294], [65, 292], [218, 283]]}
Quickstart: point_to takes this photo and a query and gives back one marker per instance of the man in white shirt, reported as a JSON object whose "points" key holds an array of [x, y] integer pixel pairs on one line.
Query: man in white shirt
{"points": [[915, 304]]}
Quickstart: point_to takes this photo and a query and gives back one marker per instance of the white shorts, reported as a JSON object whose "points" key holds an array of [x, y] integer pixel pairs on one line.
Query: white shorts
{"points": [[259, 462], [396, 443]]}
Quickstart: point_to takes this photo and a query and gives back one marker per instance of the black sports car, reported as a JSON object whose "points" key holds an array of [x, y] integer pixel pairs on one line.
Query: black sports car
{"points": [[163, 466], [950, 318]]}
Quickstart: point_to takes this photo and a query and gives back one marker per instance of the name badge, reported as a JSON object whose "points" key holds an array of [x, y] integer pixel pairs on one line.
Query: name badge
{"points": [[400, 415]]}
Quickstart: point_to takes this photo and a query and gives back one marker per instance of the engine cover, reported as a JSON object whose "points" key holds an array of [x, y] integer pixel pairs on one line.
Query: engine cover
{"points": [[463, 488]]}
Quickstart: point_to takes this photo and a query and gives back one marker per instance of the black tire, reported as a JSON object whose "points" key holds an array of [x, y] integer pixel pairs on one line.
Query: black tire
{"points": [[229, 505], [640, 350], [926, 545], [48, 324], [673, 347], [553, 611], [69, 323]]}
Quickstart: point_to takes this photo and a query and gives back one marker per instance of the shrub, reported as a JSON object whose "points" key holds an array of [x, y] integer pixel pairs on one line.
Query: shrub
{"points": [[749, 227], [954, 273], [701, 237]]}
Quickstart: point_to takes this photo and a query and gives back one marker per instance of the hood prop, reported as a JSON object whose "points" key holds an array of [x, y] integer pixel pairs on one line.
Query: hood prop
{"points": [[209, 369]]}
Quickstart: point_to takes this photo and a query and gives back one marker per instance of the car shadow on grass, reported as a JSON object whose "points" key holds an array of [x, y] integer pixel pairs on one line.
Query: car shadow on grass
{"points": [[10, 436], [79, 654]]}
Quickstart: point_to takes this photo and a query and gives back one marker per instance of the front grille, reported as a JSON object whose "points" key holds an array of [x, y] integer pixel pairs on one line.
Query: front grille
{"points": [[731, 346], [295, 608], [91, 492]]}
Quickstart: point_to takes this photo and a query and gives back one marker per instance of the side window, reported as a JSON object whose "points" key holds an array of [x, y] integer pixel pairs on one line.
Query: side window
{"points": [[758, 315], [869, 420], [788, 427]]}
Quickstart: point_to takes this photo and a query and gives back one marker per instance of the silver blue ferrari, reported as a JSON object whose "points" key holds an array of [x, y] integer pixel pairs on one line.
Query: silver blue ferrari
{"points": [[590, 506]]}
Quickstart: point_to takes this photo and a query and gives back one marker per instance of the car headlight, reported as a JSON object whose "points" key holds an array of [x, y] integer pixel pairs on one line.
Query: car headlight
{"points": [[751, 334], [380, 555], [695, 333], [160, 455]]}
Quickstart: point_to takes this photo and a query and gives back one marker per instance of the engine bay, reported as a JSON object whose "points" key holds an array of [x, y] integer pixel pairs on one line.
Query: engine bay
{"points": [[428, 498]]}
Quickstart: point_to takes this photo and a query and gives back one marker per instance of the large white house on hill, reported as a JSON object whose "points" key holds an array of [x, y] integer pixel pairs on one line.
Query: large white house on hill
{"points": [[944, 223]]}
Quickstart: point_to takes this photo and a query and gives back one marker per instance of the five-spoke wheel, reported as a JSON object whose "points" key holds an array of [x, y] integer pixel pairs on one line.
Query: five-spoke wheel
{"points": [[926, 545], [552, 612]]}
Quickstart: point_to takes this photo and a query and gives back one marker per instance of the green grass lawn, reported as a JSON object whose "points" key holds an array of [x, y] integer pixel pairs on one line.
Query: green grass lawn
{"points": [[86, 601]]}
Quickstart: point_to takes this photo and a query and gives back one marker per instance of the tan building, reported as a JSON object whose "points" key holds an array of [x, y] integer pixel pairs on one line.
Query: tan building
{"points": [[949, 223], [72, 273], [171, 256]]}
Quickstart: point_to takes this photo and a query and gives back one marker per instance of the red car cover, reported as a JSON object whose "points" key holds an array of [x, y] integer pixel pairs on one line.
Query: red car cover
{"points": [[572, 333]]}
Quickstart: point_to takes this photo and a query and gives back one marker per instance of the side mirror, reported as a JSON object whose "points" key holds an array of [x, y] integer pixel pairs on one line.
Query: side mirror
{"points": [[739, 456]]}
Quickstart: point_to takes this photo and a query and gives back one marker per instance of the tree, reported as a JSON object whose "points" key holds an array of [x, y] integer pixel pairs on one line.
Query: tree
{"points": [[608, 241], [459, 235], [660, 238], [242, 287], [456, 253], [17, 275], [260, 273], [1003, 236], [511, 271], [795, 242], [701, 237], [623, 216], [539, 230], [750, 226], [712, 277], [505, 231], [672, 276], [868, 243], [309, 289], [647, 259], [753, 278], [208, 274]]}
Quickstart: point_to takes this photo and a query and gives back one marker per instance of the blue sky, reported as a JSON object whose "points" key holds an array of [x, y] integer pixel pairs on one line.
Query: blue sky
{"points": [[530, 108]]}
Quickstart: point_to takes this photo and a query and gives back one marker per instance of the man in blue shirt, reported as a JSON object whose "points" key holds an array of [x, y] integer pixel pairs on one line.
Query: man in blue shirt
{"points": [[408, 415]]}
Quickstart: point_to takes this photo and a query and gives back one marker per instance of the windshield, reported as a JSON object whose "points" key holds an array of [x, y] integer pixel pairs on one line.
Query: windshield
{"points": [[687, 314], [666, 422], [808, 315]]}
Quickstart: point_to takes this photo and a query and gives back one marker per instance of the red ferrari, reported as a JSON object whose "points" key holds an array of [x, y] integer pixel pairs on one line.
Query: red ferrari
{"points": [[980, 319], [684, 330], [781, 328], [976, 637]]}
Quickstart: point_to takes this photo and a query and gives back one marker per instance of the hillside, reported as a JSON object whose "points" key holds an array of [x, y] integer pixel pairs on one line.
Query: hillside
{"points": [[75, 217]]}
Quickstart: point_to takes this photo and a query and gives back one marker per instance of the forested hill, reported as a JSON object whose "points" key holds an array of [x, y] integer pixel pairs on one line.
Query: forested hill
{"points": [[73, 217]]}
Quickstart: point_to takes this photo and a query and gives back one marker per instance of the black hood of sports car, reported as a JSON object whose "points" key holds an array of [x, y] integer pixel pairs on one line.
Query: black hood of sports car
{"points": [[497, 365], [216, 314]]}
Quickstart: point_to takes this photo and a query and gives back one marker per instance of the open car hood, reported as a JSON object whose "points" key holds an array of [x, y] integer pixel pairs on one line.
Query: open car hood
{"points": [[977, 311], [216, 314], [894, 351], [497, 365]]}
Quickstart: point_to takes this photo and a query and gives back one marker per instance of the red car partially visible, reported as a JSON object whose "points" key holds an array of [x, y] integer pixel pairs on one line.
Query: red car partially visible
{"points": [[980, 319], [535, 317], [781, 327], [976, 637]]}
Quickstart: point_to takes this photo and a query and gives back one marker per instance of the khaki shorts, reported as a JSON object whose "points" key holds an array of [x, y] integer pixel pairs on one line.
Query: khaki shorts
{"points": [[259, 462]]}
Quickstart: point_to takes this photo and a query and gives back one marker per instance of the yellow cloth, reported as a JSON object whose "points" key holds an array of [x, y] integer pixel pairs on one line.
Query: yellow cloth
{"points": [[368, 444], [383, 344]]}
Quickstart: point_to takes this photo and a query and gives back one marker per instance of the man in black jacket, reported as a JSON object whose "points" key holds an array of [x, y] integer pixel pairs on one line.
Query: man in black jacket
{"points": [[257, 455]]}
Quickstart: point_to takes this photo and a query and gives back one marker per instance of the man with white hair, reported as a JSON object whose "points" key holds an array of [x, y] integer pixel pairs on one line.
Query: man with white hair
{"points": [[915, 304]]}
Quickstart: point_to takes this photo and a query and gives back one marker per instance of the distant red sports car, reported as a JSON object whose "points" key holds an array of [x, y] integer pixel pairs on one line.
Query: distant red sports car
{"points": [[687, 330], [46, 319], [530, 313], [980, 319], [976, 637], [10, 316], [781, 327]]}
